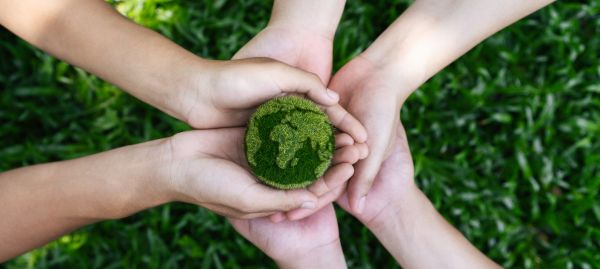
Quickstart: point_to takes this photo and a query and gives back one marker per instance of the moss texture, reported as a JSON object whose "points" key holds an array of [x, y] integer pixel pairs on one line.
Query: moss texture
{"points": [[289, 142]]}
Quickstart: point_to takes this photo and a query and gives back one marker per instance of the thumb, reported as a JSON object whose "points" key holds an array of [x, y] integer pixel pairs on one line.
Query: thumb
{"points": [[266, 199], [365, 172]]}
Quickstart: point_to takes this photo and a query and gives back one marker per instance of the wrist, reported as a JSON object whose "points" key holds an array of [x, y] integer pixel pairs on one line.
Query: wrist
{"points": [[189, 85], [114, 184], [402, 216], [326, 256], [314, 16]]}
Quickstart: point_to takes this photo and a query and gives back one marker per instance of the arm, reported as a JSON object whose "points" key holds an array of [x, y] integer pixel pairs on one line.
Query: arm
{"points": [[406, 223], [203, 93], [299, 33], [92, 35], [428, 36], [419, 237], [319, 17], [431, 34], [41, 202]]}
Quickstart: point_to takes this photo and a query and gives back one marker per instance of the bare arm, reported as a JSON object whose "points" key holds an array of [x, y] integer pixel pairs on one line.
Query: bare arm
{"points": [[319, 17], [431, 34], [419, 237], [41, 202], [92, 35], [407, 224], [428, 36]]}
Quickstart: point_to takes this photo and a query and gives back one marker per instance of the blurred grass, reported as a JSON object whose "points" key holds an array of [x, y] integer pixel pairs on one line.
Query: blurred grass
{"points": [[505, 140]]}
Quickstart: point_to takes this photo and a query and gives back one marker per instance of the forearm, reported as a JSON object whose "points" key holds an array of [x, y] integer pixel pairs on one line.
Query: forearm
{"points": [[328, 256], [419, 237], [316, 16], [92, 35], [39, 203], [431, 34]]}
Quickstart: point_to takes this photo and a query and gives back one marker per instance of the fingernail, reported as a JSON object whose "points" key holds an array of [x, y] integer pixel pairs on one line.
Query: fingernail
{"points": [[333, 95], [361, 204], [308, 205]]}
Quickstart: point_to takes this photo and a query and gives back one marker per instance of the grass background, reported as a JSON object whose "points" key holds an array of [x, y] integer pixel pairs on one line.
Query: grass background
{"points": [[506, 140]]}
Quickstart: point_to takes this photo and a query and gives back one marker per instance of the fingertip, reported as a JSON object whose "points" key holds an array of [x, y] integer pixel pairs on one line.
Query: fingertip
{"points": [[347, 154], [298, 214], [277, 217], [361, 135], [343, 139], [363, 150], [333, 96], [337, 176]]}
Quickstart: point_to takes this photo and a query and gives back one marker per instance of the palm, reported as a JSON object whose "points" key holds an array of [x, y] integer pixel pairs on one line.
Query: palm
{"points": [[395, 179], [307, 51], [290, 240], [205, 161], [373, 100]]}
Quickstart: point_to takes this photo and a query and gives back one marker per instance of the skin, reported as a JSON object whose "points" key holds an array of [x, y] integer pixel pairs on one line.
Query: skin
{"points": [[306, 43], [373, 86], [204, 167], [407, 224], [411, 47], [203, 93], [428, 36]]}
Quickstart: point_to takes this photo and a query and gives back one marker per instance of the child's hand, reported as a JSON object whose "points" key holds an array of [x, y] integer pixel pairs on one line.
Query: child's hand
{"points": [[225, 93], [209, 168], [300, 48], [312, 242], [373, 97]]}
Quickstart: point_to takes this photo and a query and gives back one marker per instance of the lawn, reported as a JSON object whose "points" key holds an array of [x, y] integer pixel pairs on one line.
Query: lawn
{"points": [[506, 140]]}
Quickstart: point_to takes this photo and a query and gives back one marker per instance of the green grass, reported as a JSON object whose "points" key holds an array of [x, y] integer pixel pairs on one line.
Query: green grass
{"points": [[505, 140]]}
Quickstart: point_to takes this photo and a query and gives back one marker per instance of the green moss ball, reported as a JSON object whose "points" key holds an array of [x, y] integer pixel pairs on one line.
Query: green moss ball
{"points": [[289, 142]]}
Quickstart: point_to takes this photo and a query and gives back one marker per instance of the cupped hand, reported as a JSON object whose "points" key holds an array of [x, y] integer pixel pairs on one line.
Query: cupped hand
{"points": [[312, 242], [303, 49], [313, 53], [374, 98], [225, 93], [394, 181], [209, 168]]}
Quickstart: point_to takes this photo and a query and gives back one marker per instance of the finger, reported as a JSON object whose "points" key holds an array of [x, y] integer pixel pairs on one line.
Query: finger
{"points": [[294, 80], [347, 154], [260, 198], [236, 213], [333, 178], [327, 199], [363, 150], [365, 172], [343, 139], [277, 217], [344, 121]]}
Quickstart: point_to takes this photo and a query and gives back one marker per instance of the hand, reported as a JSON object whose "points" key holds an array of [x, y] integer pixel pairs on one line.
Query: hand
{"points": [[225, 93], [394, 182], [306, 50], [310, 50], [407, 224], [373, 97], [209, 168], [312, 242]]}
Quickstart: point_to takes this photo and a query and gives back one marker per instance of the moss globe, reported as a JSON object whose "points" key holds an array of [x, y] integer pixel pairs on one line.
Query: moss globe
{"points": [[289, 142]]}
